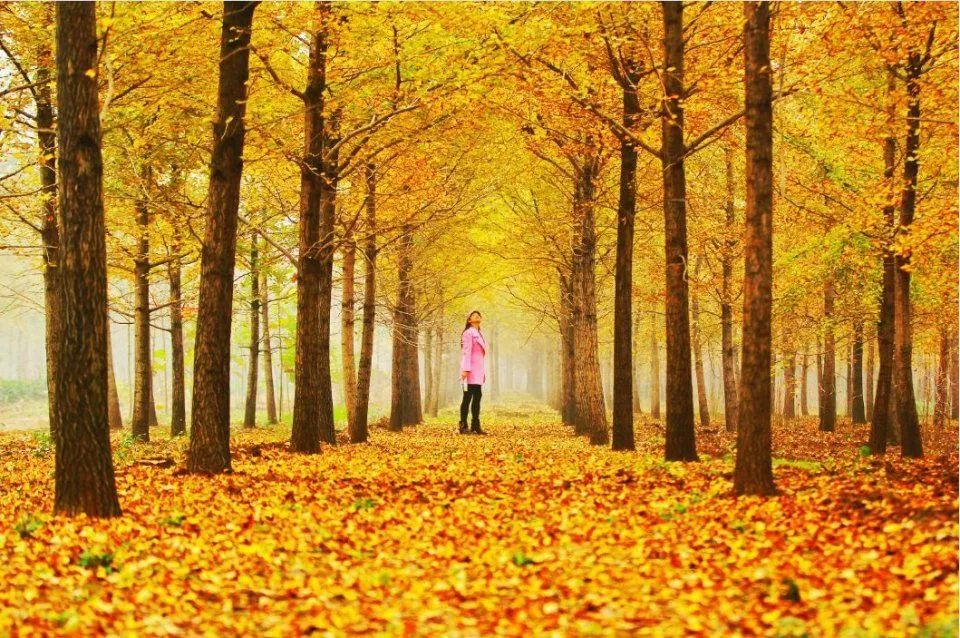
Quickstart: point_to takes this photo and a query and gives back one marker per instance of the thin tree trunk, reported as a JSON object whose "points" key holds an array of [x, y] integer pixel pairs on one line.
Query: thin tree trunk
{"points": [[347, 323], [637, 408], [143, 378], [592, 416], [804, 366], [267, 351], [358, 426], [654, 370], [568, 360], [428, 369], [911, 444], [730, 399], [305, 433], [83, 474], [405, 405], [753, 473], [178, 401], [828, 382], [680, 438], [942, 401], [250, 411], [858, 412], [49, 231], [882, 426], [703, 404], [868, 383], [328, 202], [789, 385], [210, 432], [114, 416], [955, 375], [623, 391]]}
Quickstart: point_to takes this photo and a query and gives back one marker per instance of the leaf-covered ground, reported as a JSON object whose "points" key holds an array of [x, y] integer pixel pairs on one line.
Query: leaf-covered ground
{"points": [[527, 531]]}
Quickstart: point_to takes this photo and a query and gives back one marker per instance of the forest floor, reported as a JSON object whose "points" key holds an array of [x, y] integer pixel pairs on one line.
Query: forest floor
{"points": [[526, 531]]}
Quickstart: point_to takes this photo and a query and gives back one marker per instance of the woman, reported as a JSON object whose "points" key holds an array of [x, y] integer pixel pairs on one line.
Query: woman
{"points": [[473, 372]]}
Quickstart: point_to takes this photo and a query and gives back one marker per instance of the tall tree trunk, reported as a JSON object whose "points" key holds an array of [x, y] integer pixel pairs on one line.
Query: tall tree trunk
{"points": [[178, 400], [210, 432], [942, 401], [114, 416], [250, 411], [405, 406], [568, 360], [592, 416], [305, 433], [143, 353], [623, 391], [882, 425], [789, 385], [328, 203], [753, 473], [703, 404], [828, 382], [83, 475], [358, 426], [681, 439], [858, 413], [654, 370], [347, 323], [637, 408], [438, 369], [911, 444], [729, 354], [804, 366], [868, 383], [267, 350], [955, 375], [428, 369], [49, 231]]}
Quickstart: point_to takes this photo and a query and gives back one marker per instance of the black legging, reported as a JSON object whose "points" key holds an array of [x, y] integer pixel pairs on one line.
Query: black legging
{"points": [[472, 392]]}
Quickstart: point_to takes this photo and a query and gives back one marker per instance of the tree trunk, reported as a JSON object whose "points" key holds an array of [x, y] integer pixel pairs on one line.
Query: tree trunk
{"points": [[405, 406], [347, 322], [730, 400], [942, 401], [828, 382], [955, 375], [592, 416], [868, 383], [305, 433], [654, 369], [804, 366], [428, 369], [681, 438], [140, 421], [568, 361], [882, 425], [623, 391], [267, 351], [637, 408], [83, 475], [911, 444], [178, 401], [210, 432], [358, 426], [703, 404], [858, 413], [789, 385], [114, 416], [250, 411], [49, 231], [753, 473]]}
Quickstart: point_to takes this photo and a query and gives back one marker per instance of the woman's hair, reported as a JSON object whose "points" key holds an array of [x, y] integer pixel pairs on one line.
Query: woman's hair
{"points": [[475, 312]]}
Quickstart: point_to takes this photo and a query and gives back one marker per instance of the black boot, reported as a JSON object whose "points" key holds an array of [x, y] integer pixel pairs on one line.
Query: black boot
{"points": [[475, 427], [463, 427]]}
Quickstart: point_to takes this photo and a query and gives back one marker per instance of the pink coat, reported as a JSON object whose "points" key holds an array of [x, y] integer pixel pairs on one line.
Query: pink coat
{"points": [[474, 350]]}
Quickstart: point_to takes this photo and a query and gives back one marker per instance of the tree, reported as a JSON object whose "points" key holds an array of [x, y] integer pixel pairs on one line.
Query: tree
{"points": [[753, 473], [209, 450], [84, 478]]}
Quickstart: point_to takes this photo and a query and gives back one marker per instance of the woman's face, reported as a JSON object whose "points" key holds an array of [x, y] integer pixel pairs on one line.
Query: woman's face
{"points": [[475, 319]]}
